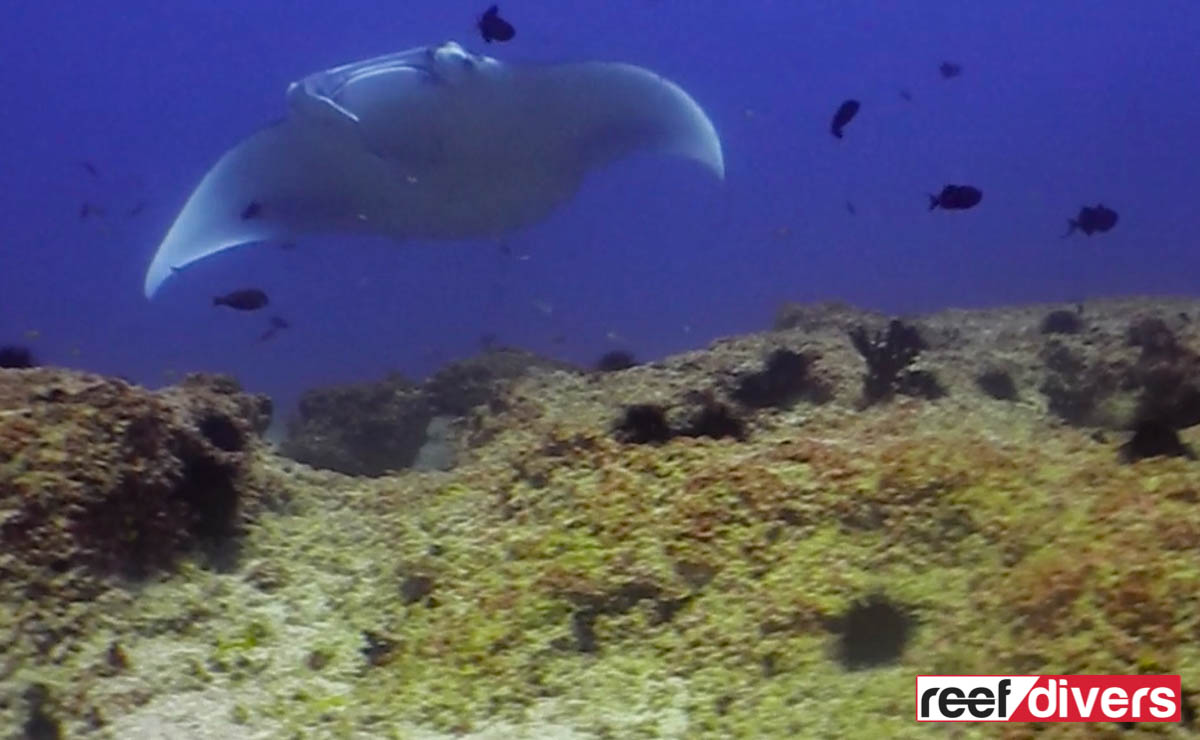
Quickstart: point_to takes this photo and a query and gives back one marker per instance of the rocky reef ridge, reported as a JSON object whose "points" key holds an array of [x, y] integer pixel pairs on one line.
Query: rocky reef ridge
{"points": [[765, 538]]}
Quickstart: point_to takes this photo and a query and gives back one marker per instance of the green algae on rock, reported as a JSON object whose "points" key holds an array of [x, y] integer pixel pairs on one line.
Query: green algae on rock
{"points": [[99, 474], [789, 582], [393, 424]]}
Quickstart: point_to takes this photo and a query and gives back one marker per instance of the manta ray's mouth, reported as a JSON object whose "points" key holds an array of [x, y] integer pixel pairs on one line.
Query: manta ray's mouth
{"points": [[433, 66]]}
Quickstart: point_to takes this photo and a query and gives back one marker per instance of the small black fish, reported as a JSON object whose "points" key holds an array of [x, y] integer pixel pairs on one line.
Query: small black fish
{"points": [[906, 95], [505, 250], [950, 69], [956, 198], [137, 208], [278, 324], [287, 246], [1091, 220], [845, 112], [494, 28], [87, 209], [248, 299], [252, 210], [91, 168], [851, 209]]}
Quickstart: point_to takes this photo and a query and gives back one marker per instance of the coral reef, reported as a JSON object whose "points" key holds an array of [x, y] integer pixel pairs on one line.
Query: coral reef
{"points": [[823, 317], [437, 451], [889, 356], [475, 381], [13, 357], [102, 482], [361, 429], [1062, 321], [614, 360], [1118, 380], [393, 424], [759, 570], [102, 476]]}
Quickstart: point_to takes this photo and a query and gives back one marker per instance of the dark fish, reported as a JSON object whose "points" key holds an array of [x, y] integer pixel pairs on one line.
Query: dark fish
{"points": [[851, 209], [950, 69], [494, 28], [87, 209], [287, 246], [137, 208], [278, 324], [505, 250], [906, 95], [487, 341], [845, 112], [249, 299], [956, 198], [91, 168], [558, 339], [252, 210], [1091, 220]]}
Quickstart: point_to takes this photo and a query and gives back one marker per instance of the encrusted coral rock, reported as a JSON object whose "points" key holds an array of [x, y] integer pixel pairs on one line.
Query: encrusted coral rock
{"points": [[361, 429], [615, 361], [813, 317], [394, 424], [101, 476], [562, 580], [1154, 337], [13, 356], [1061, 321], [1119, 382], [460, 386]]}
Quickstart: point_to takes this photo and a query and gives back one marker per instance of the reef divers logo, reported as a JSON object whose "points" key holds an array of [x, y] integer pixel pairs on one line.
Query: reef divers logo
{"points": [[1049, 698]]}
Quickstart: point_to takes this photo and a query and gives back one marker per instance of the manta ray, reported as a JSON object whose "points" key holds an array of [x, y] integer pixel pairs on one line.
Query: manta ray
{"points": [[432, 143]]}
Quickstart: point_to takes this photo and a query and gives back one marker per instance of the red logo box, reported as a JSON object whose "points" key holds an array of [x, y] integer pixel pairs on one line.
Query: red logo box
{"points": [[1079, 698]]}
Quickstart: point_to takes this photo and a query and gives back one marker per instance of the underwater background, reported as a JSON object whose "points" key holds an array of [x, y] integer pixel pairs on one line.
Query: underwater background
{"points": [[688, 458], [1058, 105]]}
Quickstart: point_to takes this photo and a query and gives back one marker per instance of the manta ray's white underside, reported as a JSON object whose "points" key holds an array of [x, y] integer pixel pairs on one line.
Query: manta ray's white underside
{"points": [[432, 143]]}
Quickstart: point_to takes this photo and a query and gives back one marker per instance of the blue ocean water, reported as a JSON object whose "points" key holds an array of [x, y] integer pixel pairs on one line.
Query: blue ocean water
{"points": [[1058, 105]]}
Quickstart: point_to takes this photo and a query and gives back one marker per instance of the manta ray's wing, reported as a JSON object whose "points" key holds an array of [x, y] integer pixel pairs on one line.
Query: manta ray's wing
{"points": [[280, 182], [609, 110], [432, 143]]}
